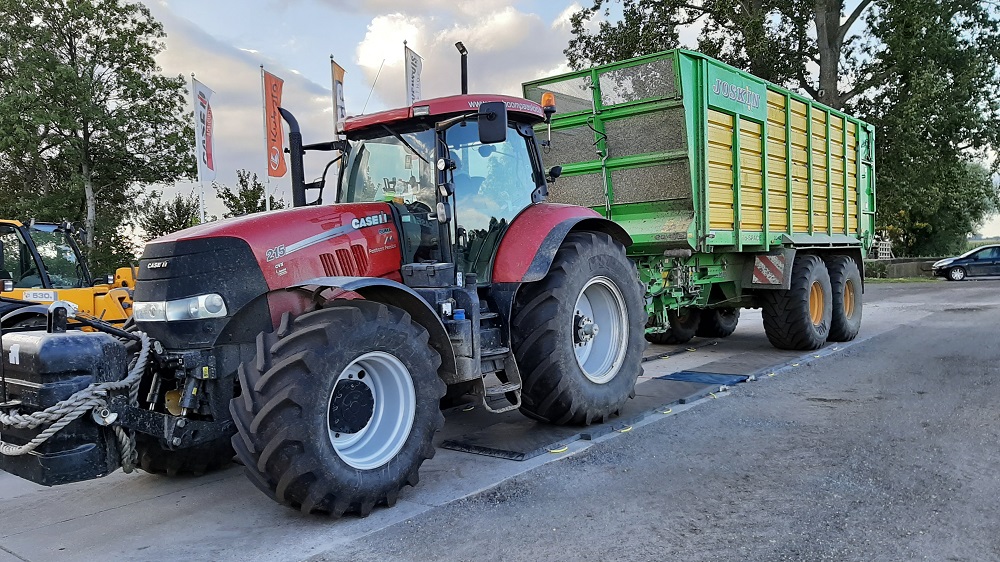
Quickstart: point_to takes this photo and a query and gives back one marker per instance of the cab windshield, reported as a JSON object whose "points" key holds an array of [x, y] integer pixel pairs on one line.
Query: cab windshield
{"points": [[62, 263]]}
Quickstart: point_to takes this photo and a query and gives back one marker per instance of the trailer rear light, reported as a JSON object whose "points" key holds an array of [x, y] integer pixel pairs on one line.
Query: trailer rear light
{"points": [[191, 308]]}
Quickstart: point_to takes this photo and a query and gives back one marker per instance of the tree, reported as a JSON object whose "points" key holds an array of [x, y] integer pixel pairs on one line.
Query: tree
{"points": [[248, 196], [768, 38], [159, 218], [937, 119], [85, 113]]}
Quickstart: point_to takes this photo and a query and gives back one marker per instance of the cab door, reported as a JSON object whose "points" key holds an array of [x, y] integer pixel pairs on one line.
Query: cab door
{"points": [[492, 183]]}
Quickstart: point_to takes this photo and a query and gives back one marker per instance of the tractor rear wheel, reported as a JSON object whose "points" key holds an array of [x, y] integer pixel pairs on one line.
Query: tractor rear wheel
{"points": [[718, 322], [577, 333], [683, 325], [845, 281], [339, 408], [799, 317]]}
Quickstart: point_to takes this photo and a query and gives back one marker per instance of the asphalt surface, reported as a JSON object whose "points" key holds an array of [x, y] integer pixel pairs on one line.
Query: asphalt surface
{"points": [[884, 449], [888, 450]]}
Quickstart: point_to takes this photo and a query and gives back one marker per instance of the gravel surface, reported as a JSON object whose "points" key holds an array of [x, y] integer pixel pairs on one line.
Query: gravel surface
{"points": [[886, 451]]}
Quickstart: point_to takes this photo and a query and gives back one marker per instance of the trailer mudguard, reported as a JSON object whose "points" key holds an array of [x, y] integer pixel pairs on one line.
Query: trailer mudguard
{"points": [[390, 292], [531, 241]]}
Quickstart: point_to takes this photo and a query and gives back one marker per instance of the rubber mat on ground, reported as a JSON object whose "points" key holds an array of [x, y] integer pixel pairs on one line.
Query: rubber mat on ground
{"points": [[705, 378], [525, 439]]}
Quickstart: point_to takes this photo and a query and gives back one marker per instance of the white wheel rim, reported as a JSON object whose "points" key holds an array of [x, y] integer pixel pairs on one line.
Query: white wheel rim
{"points": [[391, 415], [600, 330], [957, 274]]}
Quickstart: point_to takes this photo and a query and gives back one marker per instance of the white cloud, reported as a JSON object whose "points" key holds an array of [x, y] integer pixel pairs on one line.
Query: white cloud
{"points": [[506, 47]]}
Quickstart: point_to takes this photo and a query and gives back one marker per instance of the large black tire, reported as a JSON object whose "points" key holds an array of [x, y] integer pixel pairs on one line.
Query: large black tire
{"points": [[789, 319], [845, 281], [558, 387], [718, 322], [683, 327], [288, 414], [193, 461]]}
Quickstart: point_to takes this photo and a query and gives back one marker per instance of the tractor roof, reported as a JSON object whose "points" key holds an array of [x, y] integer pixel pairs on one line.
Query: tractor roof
{"points": [[438, 108], [10, 222]]}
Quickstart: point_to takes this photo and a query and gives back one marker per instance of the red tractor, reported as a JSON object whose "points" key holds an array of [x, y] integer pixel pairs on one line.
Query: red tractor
{"points": [[322, 341]]}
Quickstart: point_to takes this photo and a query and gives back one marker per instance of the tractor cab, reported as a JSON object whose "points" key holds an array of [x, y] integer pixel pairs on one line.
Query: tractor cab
{"points": [[457, 169]]}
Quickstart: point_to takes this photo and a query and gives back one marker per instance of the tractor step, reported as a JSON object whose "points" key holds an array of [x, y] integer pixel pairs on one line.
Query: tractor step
{"points": [[503, 389], [495, 353]]}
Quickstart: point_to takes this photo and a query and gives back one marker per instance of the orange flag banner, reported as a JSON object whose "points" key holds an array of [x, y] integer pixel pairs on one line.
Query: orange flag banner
{"points": [[273, 126]]}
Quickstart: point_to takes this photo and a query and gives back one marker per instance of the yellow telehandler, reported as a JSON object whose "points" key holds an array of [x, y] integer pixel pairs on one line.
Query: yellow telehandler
{"points": [[42, 263]]}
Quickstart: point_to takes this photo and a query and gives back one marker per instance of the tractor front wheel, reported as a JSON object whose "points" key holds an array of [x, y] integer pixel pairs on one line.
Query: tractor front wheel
{"points": [[577, 333], [339, 408]]}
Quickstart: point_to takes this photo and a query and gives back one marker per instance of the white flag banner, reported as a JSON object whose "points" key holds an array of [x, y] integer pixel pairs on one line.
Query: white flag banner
{"points": [[414, 65], [203, 126]]}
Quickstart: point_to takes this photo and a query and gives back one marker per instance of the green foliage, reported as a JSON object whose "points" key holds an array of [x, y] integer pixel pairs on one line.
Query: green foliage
{"points": [[158, 217], [876, 269], [248, 196], [936, 117], [87, 117], [768, 38]]}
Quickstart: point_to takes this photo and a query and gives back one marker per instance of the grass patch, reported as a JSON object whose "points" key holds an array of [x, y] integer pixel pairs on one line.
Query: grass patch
{"points": [[880, 281]]}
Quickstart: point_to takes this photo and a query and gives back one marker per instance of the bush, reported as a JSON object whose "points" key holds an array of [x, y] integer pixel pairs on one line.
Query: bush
{"points": [[875, 269]]}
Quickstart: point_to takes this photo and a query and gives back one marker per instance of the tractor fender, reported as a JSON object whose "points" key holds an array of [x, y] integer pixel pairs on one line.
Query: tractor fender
{"points": [[531, 241], [387, 291]]}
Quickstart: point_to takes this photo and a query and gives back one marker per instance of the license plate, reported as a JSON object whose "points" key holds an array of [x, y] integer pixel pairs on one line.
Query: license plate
{"points": [[40, 296]]}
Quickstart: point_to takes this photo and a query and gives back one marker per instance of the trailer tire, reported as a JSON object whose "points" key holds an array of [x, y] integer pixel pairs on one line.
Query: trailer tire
{"points": [[718, 322], [192, 461], [845, 281], [799, 317], [569, 374], [339, 408], [682, 327]]}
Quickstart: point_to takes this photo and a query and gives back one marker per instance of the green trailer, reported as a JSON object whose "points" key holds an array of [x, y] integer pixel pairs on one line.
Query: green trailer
{"points": [[737, 193]]}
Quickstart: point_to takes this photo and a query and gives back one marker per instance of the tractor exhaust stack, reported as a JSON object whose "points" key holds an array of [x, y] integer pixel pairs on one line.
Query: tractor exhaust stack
{"points": [[465, 66], [296, 152]]}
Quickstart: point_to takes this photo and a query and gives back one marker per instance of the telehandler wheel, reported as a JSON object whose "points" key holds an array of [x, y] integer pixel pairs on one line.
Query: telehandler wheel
{"points": [[194, 461], [339, 408], [718, 322], [845, 280], [577, 333], [683, 327], [799, 317]]}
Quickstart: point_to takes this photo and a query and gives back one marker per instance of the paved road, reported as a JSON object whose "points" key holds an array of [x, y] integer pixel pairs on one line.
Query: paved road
{"points": [[884, 450]]}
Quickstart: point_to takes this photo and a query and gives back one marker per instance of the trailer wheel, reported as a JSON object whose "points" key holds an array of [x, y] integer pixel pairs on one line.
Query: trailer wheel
{"points": [[718, 322], [577, 333], [339, 408], [683, 327], [799, 317], [845, 280], [195, 461]]}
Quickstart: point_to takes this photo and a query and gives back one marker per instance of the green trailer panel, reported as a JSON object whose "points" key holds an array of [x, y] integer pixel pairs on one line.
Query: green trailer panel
{"points": [[686, 152]]}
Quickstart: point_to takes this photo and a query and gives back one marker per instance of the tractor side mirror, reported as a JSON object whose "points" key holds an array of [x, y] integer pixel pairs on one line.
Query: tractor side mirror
{"points": [[492, 122]]}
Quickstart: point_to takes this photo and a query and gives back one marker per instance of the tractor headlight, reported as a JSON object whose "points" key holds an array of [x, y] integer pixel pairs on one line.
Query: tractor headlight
{"points": [[191, 308]]}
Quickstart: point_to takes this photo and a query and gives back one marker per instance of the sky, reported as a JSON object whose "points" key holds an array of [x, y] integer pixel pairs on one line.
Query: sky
{"points": [[225, 42]]}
